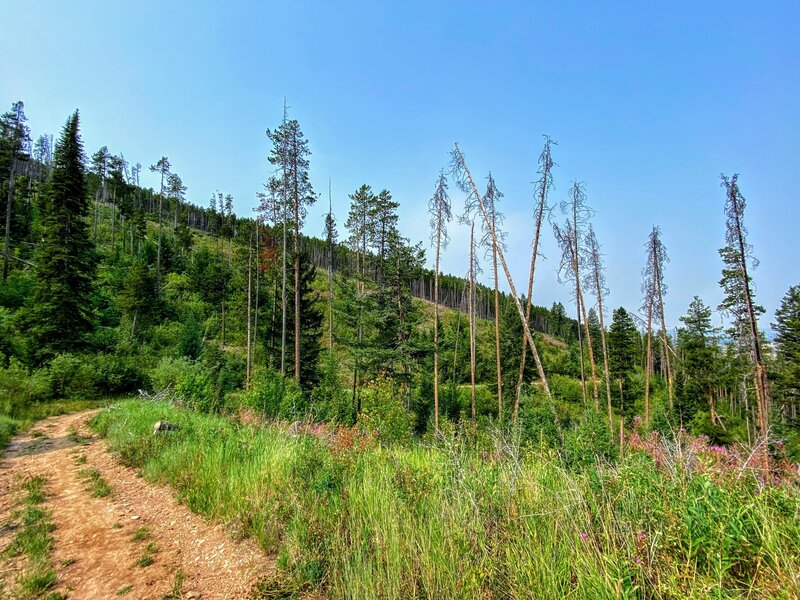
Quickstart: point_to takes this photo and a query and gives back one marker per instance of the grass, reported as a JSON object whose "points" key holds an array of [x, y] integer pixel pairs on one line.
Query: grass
{"points": [[176, 593], [146, 558], [97, 486], [456, 521], [140, 534], [125, 589], [33, 542]]}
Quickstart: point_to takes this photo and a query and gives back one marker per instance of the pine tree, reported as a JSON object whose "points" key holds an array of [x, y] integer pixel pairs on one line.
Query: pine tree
{"points": [[61, 313], [787, 341], [15, 148], [310, 318], [622, 354], [736, 238], [698, 347]]}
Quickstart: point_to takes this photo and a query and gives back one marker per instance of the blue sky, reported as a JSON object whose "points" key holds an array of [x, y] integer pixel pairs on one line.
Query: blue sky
{"points": [[648, 103]]}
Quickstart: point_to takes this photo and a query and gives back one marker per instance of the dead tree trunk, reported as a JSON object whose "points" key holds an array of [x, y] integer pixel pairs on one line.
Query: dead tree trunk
{"points": [[543, 187], [468, 184]]}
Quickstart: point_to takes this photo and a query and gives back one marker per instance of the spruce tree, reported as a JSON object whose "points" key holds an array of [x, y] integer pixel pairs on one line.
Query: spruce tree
{"points": [[787, 341], [311, 317], [61, 314], [699, 351], [622, 355]]}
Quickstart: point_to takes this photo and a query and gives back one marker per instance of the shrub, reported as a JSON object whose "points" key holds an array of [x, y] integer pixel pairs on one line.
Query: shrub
{"points": [[73, 376], [168, 371], [19, 389], [275, 396], [383, 412]]}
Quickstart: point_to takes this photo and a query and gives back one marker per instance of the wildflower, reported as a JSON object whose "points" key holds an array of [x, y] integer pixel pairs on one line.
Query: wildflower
{"points": [[584, 536]]}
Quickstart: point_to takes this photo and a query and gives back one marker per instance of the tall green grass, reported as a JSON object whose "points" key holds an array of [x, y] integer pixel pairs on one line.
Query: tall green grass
{"points": [[453, 521]]}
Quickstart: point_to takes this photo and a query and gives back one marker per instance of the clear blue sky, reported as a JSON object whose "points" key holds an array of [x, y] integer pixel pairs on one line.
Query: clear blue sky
{"points": [[649, 102]]}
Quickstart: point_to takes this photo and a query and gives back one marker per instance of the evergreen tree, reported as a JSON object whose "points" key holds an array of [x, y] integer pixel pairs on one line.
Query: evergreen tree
{"points": [[622, 354], [61, 313], [699, 351], [787, 341], [311, 317]]}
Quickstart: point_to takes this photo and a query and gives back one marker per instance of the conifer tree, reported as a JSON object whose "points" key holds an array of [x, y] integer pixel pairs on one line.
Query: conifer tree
{"points": [[787, 342], [736, 238], [622, 353], [61, 313], [162, 168], [699, 351], [14, 150], [491, 198]]}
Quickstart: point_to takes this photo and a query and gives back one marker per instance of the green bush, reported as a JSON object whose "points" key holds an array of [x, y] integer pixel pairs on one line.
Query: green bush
{"points": [[275, 396], [19, 389], [168, 371], [383, 412], [90, 376]]}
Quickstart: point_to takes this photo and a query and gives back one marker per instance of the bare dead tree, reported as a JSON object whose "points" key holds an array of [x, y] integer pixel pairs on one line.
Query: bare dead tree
{"points": [[491, 197], [472, 274], [657, 258], [441, 213], [541, 189], [571, 240], [467, 184], [249, 307], [596, 280], [736, 238]]}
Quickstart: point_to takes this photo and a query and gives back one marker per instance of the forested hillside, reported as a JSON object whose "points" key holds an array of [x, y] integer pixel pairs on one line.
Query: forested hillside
{"points": [[243, 321]]}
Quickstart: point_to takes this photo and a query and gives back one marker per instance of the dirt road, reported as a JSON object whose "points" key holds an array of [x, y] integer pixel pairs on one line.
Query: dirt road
{"points": [[100, 540]]}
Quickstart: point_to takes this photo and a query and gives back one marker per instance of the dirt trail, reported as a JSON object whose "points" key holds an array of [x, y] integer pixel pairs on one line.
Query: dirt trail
{"points": [[95, 552]]}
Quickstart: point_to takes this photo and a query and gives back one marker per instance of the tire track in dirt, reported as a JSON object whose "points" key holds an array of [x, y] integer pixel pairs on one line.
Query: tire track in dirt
{"points": [[95, 552]]}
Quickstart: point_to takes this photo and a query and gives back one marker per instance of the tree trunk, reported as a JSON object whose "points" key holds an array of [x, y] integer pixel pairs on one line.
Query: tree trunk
{"points": [[497, 336], [472, 319], [528, 335], [249, 300], [648, 363], [9, 205]]}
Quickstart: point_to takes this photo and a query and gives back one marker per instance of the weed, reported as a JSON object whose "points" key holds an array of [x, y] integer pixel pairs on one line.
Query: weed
{"points": [[146, 559], [125, 589], [98, 487], [177, 586], [140, 534]]}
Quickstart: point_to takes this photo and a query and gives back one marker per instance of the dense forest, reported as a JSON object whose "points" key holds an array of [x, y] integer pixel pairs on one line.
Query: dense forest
{"points": [[111, 289]]}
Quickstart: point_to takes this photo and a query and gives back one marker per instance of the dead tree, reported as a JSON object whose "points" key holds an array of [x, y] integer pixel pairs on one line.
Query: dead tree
{"points": [[542, 187], [571, 240], [736, 238], [467, 184], [491, 198], [249, 306], [596, 279], [660, 258], [472, 274], [441, 213]]}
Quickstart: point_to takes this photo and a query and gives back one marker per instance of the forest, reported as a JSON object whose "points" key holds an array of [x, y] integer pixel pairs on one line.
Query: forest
{"points": [[387, 430]]}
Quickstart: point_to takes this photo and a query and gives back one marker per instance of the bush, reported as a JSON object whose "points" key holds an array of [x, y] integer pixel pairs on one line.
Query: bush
{"points": [[19, 389], [89, 376], [275, 396], [383, 412], [168, 371]]}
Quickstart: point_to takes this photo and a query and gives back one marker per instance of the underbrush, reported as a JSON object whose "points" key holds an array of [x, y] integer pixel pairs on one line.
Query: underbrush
{"points": [[456, 520]]}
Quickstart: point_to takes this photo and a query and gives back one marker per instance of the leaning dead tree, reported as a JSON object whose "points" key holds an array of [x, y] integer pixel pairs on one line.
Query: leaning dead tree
{"points": [[571, 240], [467, 184], [490, 198], [542, 187], [654, 274], [736, 238], [596, 280], [441, 213], [473, 270]]}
